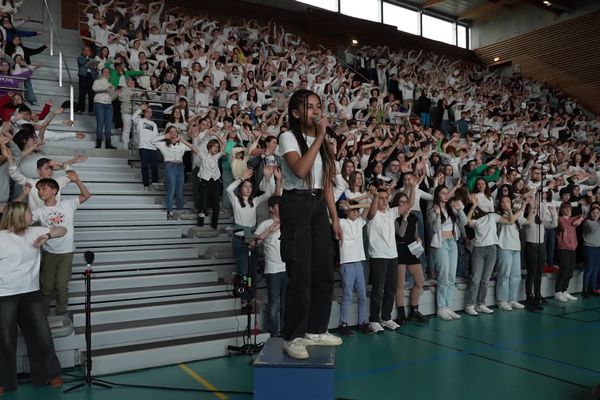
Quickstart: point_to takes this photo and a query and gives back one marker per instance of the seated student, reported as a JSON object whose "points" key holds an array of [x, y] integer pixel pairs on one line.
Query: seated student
{"points": [[275, 275], [352, 255], [57, 255]]}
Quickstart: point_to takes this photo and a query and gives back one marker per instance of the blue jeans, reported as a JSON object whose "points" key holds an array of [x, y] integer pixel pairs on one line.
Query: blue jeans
{"points": [[174, 174], [425, 119], [509, 275], [592, 267], [240, 253], [29, 93], [445, 258], [483, 260], [550, 240], [104, 120], [446, 128], [353, 279], [276, 288]]}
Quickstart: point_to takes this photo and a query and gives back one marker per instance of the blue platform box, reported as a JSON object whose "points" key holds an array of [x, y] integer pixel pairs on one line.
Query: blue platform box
{"points": [[278, 376]]}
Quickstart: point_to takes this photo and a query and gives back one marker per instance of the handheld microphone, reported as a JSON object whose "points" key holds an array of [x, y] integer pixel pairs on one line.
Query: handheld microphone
{"points": [[328, 129]]}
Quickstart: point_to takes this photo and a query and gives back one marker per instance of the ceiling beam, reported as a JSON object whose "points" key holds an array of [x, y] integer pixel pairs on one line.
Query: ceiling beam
{"points": [[476, 12], [431, 3]]}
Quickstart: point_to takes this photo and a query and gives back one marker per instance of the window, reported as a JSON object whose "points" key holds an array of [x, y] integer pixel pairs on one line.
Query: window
{"points": [[461, 36], [331, 5], [404, 19], [364, 9], [438, 29]]}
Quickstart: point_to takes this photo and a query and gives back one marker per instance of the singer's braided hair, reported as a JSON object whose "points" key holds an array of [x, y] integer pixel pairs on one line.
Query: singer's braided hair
{"points": [[297, 101]]}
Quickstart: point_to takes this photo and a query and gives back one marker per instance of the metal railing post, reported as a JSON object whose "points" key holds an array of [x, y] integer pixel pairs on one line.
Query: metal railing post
{"points": [[72, 104], [60, 68]]}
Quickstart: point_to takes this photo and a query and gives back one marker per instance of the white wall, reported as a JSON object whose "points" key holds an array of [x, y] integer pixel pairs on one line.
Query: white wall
{"points": [[522, 19]]}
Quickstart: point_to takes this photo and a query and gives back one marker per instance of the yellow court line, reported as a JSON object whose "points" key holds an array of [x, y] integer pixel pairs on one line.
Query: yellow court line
{"points": [[203, 381]]}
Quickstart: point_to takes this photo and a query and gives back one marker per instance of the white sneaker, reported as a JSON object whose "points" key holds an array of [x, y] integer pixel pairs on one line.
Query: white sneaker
{"points": [[321, 339], [483, 309], [452, 314], [505, 306], [444, 315], [471, 310], [390, 324], [516, 305], [295, 348], [376, 327], [560, 297], [569, 296], [146, 188]]}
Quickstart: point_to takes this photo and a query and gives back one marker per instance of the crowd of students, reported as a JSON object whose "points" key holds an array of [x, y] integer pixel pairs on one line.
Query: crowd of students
{"points": [[438, 168]]}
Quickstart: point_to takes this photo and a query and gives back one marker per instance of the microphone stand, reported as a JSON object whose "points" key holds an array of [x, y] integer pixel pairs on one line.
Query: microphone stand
{"points": [[248, 347], [88, 380]]}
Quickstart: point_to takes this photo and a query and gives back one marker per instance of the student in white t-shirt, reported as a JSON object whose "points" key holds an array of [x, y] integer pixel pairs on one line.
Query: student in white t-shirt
{"points": [[20, 301], [383, 258], [352, 255], [173, 147], [483, 258], [268, 232], [57, 255], [307, 205]]}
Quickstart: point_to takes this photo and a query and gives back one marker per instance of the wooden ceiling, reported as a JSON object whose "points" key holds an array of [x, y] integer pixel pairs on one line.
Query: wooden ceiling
{"points": [[473, 10]]}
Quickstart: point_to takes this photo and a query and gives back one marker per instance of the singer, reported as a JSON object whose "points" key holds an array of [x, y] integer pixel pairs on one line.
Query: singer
{"points": [[307, 235]]}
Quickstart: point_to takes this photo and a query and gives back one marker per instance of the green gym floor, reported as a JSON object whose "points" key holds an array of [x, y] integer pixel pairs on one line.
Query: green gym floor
{"points": [[553, 354]]}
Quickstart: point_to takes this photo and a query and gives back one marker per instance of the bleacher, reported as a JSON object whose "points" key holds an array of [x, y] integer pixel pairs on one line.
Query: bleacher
{"points": [[157, 297]]}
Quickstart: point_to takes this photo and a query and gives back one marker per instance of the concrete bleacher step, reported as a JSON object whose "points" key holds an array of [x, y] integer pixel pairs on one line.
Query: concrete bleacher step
{"points": [[136, 266], [179, 326], [142, 244], [165, 352], [118, 313], [144, 280], [133, 188], [109, 256], [148, 295], [99, 234], [119, 215], [183, 224]]}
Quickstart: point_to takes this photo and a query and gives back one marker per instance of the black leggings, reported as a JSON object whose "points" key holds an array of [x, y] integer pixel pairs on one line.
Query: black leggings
{"points": [[307, 250], [566, 262], [535, 258]]}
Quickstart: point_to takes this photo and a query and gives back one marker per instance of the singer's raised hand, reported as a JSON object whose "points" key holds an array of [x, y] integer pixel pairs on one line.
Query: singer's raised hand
{"points": [[322, 124]]}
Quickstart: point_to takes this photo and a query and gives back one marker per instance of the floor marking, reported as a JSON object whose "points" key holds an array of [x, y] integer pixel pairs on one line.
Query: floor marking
{"points": [[202, 381]]}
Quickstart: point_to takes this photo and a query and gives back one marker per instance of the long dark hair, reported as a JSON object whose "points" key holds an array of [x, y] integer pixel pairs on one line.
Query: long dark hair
{"points": [[240, 197], [298, 99], [447, 208]]}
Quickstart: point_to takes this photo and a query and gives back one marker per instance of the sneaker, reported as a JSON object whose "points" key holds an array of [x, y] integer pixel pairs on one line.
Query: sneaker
{"points": [[390, 324], [453, 314], [516, 305], [569, 296], [471, 310], [321, 339], [505, 306], [375, 327], [345, 330], [416, 315], [295, 348], [444, 315], [560, 297], [365, 329], [146, 188], [482, 308], [170, 216], [57, 382], [200, 221]]}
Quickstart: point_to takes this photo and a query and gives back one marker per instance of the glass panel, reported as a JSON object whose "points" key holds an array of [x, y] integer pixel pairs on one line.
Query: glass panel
{"points": [[461, 39], [438, 29], [364, 9], [404, 19], [331, 5]]}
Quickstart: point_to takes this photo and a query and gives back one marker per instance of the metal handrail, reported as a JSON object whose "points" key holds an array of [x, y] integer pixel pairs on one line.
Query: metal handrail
{"points": [[61, 61]]}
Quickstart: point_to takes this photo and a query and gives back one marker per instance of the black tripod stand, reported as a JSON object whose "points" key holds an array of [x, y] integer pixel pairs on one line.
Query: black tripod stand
{"points": [[88, 380], [246, 288]]}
